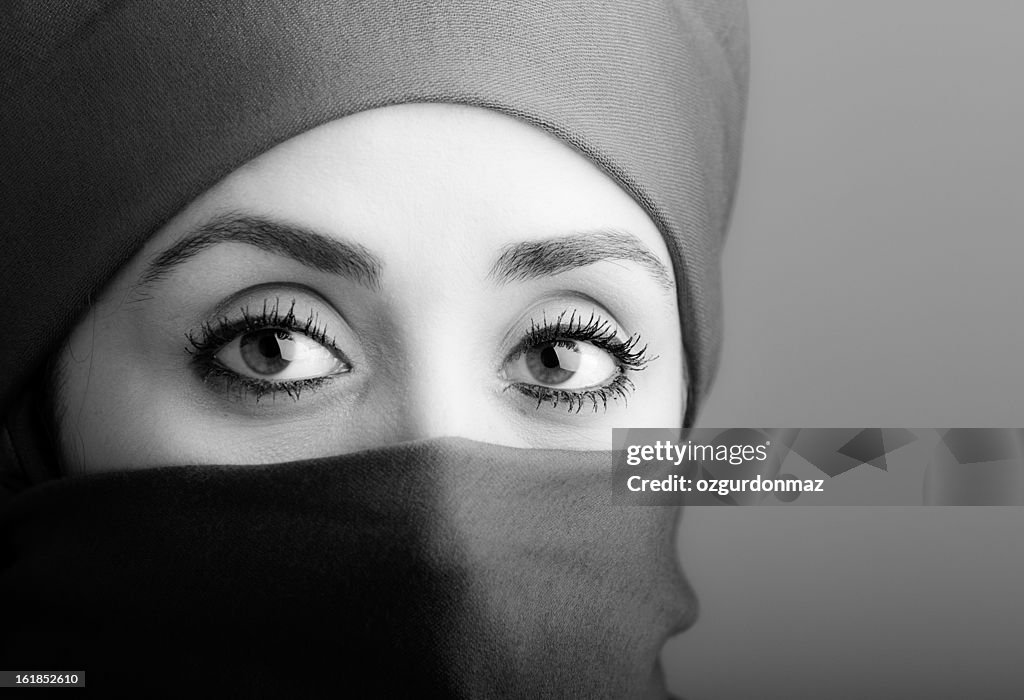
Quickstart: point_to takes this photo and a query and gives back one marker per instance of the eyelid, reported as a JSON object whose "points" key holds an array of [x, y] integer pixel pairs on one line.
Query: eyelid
{"points": [[269, 290], [620, 387], [560, 299], [287, 306], [572, 324]]}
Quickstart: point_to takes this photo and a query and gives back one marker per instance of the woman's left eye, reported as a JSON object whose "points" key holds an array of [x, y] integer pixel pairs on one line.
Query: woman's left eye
{"points": [[279, 354], [562, 364]]}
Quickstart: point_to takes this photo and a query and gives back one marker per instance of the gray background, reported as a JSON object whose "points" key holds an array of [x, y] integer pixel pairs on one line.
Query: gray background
{"points": [[871, 279]]}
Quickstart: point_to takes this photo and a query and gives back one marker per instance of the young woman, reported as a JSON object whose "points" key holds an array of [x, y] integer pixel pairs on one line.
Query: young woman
{"points": [[333, 308]]}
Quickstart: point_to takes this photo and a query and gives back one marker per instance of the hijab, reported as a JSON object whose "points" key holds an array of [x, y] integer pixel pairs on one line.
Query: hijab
{"points": [[461, 567]]}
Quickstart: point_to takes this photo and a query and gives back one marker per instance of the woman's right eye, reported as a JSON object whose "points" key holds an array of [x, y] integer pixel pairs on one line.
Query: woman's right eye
{"points": [[267, 351], [280, 354]]}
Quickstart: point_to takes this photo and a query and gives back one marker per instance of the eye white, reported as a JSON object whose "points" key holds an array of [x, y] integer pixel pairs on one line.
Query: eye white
{"points": [[562, 364], [281, 355]]}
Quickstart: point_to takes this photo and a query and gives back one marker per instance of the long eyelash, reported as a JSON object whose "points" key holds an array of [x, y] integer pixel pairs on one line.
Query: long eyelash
{"points": [[212, 336], [630, 356], [594, 330]]}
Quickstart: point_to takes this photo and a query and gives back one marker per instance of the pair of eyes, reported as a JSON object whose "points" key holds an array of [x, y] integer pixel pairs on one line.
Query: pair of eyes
{"points": [[568, 361], [287, 355]]}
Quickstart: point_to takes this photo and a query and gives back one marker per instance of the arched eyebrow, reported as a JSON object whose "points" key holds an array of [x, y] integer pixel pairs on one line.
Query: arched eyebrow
{"points": [[544, 258], [517, 262], [305, 246]]}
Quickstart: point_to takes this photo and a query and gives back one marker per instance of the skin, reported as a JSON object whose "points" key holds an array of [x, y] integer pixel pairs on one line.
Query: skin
{"points": [[436, 194]]}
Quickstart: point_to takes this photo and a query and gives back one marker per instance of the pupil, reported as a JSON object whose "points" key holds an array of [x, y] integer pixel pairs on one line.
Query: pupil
{"points": [[549, 357], [553, 364], [263, 353], [268, 345]]}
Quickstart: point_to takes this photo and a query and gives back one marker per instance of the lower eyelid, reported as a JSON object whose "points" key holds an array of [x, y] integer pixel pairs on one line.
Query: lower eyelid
{"points": [[239, 387], [620, 388]]}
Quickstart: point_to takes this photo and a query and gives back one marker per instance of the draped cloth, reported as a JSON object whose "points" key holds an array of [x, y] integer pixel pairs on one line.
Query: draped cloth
{"points": [[443, 568]]}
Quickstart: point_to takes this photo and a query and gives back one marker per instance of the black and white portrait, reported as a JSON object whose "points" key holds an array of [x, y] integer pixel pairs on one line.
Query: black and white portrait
{"points": [[320, 317]]}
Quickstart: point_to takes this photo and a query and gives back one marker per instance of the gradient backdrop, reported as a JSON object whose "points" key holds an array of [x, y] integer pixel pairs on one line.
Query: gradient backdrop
{"points": [[873, 277]]}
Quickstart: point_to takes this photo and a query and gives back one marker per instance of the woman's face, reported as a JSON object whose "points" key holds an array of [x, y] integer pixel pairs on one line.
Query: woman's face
{"points": [[409, 272]]}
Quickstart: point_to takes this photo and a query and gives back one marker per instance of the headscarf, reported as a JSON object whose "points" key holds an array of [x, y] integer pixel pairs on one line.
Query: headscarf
{"points": [[114, 116]]}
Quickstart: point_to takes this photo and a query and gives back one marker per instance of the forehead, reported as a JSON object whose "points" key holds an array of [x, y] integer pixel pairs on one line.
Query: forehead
{"points": [[424, 179]]}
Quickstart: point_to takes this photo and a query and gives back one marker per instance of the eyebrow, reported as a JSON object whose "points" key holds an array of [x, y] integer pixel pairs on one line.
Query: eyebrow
{"points": [[518, 262], [544, 258], [307, 247]]}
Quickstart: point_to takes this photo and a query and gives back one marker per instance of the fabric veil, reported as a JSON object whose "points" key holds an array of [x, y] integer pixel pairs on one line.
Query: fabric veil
{"points": [[115, 115], [443, 568]]}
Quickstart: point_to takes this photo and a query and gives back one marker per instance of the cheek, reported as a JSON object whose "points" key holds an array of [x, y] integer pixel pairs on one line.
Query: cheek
{"points": [[101, 424], [121, 401], [660, 398], [92, 400]]}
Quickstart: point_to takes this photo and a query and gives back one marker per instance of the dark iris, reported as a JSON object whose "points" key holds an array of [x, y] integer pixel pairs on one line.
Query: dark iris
{"points": [[265, 351], [553, 363]]}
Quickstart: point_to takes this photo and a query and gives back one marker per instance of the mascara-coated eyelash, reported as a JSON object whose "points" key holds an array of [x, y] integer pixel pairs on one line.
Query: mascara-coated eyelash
{"points": [[628, 355], [213, 338], [620, 387]]}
